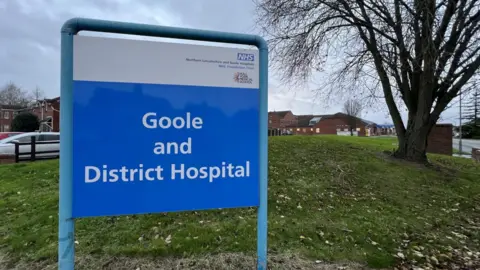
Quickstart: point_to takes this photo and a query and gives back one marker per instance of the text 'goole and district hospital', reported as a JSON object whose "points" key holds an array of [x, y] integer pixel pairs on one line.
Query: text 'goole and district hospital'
{"points": [[150, 120]]}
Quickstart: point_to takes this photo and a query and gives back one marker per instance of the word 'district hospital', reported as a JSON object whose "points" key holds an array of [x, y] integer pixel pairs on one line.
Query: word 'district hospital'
{"points": [[177, 171]]}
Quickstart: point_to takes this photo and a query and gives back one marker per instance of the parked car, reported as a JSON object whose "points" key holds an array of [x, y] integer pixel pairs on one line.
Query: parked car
{"points": [[4, 135], [50, 142]]}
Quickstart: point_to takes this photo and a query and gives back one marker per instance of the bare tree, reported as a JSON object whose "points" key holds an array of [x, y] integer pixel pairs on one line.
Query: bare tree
{"points": [[353, 109], [418, 53], [38, 94], [11, 94]]}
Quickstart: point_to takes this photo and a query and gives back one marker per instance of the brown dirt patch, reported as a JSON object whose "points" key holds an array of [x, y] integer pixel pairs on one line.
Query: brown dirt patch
{"points": [[388, 156], [229, 261]]}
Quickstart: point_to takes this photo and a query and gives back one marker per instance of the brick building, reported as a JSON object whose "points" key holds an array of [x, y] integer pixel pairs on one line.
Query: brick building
{"points": [[341, 124], [440, 140], [7, 113], [47, 111], [304, 125], [334, 124], [281, 119]]}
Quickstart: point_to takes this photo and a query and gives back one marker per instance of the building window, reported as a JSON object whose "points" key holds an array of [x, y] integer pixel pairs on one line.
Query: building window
{"points": [[304, 130], [14, 114], [6, 128], [311, 129], [6, 115], [358, 129], [269, 121], [345, 129], [318, 130]]}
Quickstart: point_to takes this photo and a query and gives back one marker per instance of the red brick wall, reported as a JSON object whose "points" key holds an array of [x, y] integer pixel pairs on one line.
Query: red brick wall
{"points": [[440, 140], [5, 159], [56, 116], [476, 154], [302, 130], [362, 132], [288, 120], [46, 113], [6, 117], [54, 113], [273, 120], [330, 125]]}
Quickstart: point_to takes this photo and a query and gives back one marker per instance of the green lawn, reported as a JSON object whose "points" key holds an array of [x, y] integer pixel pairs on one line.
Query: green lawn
{"points": [[457, 152], [330, 198]]}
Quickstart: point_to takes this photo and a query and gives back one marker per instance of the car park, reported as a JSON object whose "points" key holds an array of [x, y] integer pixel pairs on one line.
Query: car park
{"points": [[47, 141], [4, 135]]}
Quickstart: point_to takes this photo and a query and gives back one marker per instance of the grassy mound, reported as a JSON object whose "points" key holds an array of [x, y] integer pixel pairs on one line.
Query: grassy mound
{"points": [[330, 198]]}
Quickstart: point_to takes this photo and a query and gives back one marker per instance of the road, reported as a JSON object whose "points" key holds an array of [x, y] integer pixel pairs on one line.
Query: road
{"points": [[467, 145]]}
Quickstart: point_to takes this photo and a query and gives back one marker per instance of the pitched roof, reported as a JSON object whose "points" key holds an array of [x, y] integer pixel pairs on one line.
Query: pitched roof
{"points": [[322, 116], [280, 114], [302, 121], [366, 122], [11, 107], [55, 99], [386, 126]]}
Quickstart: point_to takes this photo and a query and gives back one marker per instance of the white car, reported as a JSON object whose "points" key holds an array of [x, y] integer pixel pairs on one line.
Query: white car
{"points": [[47, 141]]}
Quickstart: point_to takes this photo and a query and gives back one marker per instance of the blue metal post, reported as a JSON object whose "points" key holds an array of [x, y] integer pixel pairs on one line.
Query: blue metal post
{"points": [[262, 221], [66, 240]]}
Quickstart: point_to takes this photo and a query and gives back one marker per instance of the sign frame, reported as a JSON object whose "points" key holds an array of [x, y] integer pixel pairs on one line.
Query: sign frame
{"points": [[66, 224]]}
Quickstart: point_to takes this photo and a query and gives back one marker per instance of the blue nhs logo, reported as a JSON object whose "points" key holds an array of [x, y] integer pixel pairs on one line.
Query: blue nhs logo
{"points": [[245, 57]]}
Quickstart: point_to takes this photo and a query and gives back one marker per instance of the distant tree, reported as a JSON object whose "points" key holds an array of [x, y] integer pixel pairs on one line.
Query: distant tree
{"points": [[38, 94], [11, 94], [353, 108], [415, 54], [25, 122]]}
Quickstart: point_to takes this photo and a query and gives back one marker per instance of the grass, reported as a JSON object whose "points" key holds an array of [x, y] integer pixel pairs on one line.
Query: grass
{"points": [[457, 152], [330, 198]]}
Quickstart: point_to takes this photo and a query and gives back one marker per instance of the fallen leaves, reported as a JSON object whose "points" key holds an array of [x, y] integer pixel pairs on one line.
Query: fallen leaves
{"points": [[168, 240], [388, 211]]}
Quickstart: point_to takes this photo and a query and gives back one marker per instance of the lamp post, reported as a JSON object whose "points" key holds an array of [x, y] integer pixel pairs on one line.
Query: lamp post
{"points": [[43, 106], [460, 128]]}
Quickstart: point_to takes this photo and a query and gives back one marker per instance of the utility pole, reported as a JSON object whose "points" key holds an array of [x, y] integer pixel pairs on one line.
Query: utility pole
{"points": [[41, 108], [476, 103], [460, 129], [41, 104]]}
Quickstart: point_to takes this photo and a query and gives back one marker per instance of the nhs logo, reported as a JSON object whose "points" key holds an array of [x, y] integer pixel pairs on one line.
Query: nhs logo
{"points": [[245, 57]]}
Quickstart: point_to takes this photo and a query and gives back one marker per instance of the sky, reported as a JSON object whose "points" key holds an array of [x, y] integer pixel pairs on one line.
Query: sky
{"points": [[30, 43]]}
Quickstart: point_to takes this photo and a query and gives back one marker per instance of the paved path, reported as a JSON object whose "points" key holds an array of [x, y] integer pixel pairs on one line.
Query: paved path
{"points": [[467, 145]]}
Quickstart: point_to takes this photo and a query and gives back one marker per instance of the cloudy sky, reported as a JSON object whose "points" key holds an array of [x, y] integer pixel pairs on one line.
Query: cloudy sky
{"points": [[30, 42]]}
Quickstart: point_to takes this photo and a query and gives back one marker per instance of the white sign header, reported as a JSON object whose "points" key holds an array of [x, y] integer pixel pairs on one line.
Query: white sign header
{"points": [[138, 61]]}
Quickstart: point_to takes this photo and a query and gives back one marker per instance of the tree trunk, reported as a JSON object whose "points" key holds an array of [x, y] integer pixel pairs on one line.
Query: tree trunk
{"points": [[413, 145]]}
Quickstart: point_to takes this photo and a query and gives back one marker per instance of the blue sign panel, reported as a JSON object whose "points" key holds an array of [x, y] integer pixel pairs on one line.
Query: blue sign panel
{"points": [[161, 127]]}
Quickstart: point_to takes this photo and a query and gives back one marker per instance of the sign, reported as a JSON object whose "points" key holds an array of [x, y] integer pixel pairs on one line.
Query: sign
{"points": [[154, 127], [161, 127]]}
